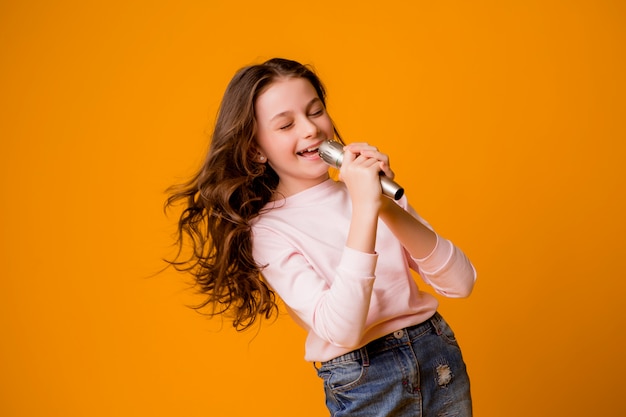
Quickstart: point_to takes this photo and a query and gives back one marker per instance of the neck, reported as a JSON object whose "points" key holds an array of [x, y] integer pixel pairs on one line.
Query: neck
{"points": [[284, 190]]}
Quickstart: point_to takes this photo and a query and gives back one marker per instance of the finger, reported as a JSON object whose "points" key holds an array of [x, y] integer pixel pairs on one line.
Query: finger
{"points": [[360, 147], [348, 156], [379, 156], [387, 170], [379, 159], [371, 152]]}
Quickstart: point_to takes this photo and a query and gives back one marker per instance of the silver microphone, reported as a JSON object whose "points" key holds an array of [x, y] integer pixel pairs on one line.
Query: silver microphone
{"points": [[331, 152]]}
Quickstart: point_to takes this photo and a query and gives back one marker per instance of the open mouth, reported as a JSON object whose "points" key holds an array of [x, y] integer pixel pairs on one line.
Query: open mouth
{"points": [[308, 151]]}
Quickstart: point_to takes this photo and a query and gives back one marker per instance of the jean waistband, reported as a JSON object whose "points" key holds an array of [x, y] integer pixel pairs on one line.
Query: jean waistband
{"points": [[389, 341]]}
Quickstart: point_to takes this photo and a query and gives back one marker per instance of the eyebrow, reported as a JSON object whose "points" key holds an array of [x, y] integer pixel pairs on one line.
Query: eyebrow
{"points": [[313, 101]]}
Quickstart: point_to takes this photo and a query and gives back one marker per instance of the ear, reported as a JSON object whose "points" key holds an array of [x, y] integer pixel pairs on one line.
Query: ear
{"points": [[258, 155]]}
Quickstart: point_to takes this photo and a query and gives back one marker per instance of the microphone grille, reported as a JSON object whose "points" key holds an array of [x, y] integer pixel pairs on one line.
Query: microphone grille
{"points": [[331, 152]]}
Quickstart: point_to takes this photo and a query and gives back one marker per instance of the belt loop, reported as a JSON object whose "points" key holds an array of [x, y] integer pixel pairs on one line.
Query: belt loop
{"points": [[364, 357], [434, 320]]}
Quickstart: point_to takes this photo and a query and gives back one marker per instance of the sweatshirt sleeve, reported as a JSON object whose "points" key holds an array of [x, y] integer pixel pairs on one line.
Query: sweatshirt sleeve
{"points": [[335, 309], [446, 269]]}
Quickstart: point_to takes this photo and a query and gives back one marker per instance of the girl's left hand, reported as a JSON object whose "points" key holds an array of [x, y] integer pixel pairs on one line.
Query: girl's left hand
{"points": [[369, 151]]}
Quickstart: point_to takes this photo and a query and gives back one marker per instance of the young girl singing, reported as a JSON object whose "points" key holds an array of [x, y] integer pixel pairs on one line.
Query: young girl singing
{"points": [[264, 219]]}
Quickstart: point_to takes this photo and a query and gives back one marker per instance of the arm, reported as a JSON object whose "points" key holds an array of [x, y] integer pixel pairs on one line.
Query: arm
{"points": [[440, 263], [360, 173], [334, 309], [418, 239], [333, 302]]}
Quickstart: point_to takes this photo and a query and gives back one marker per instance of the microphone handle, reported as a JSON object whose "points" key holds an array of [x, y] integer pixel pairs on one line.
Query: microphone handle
{"points": [[391, 188]]}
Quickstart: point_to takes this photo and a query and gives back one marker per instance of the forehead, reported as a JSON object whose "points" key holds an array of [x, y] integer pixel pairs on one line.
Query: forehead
{"points": [[285, 94]]}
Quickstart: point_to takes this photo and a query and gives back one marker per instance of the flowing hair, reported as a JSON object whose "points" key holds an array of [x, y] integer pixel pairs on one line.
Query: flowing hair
{"points": [[220, 200]]}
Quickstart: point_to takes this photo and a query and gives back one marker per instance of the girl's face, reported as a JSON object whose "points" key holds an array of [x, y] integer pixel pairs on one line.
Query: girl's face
{"points": [[291, 124]]}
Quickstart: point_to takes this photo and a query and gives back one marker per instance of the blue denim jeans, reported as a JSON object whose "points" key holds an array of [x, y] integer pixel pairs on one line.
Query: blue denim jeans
{"points": [[416, 371]]}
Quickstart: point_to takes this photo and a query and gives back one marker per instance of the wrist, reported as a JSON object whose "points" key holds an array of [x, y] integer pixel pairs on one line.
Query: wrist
{"points": [[366, 209], [363, 226]]}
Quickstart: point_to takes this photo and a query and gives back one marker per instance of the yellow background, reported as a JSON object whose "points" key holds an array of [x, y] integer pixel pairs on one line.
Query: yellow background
{"points": [[504, 121]]}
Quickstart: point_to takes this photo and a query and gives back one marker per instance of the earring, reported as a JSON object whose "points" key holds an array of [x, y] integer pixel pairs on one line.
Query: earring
{"points": [[261, 158]]}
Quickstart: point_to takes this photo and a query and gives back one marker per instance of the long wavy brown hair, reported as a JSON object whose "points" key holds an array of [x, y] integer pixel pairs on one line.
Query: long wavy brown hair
{"points": [[230, 189]]}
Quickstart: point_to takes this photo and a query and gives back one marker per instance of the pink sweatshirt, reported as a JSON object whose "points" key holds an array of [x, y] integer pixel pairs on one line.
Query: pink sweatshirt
{"points": [[344, 298]]}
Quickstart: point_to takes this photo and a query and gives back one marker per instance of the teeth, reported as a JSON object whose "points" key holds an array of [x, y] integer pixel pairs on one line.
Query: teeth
{"points": [[308, 150]]}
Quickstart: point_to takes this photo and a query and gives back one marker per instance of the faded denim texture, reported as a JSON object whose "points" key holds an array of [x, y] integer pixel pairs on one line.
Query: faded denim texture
{"points": [[413, 372]]}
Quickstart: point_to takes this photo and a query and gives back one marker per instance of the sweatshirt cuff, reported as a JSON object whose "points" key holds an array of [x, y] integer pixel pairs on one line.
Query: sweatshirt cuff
{"points": [[357, 264], [438, 258]]}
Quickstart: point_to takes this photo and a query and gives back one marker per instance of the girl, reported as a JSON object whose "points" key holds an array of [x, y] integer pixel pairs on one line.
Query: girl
{"points": [[264, 219]]}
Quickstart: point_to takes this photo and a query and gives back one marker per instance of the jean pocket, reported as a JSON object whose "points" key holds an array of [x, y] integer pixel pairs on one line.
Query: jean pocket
{"points": [[444, 330], [342, 376]]}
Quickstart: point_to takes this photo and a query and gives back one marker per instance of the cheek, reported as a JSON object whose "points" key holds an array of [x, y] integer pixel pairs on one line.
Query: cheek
{"points": [[263, 140], [328, 128]]}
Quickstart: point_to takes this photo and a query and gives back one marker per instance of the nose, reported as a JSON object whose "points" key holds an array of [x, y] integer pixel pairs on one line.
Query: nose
{"points": [[309, 128]]}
